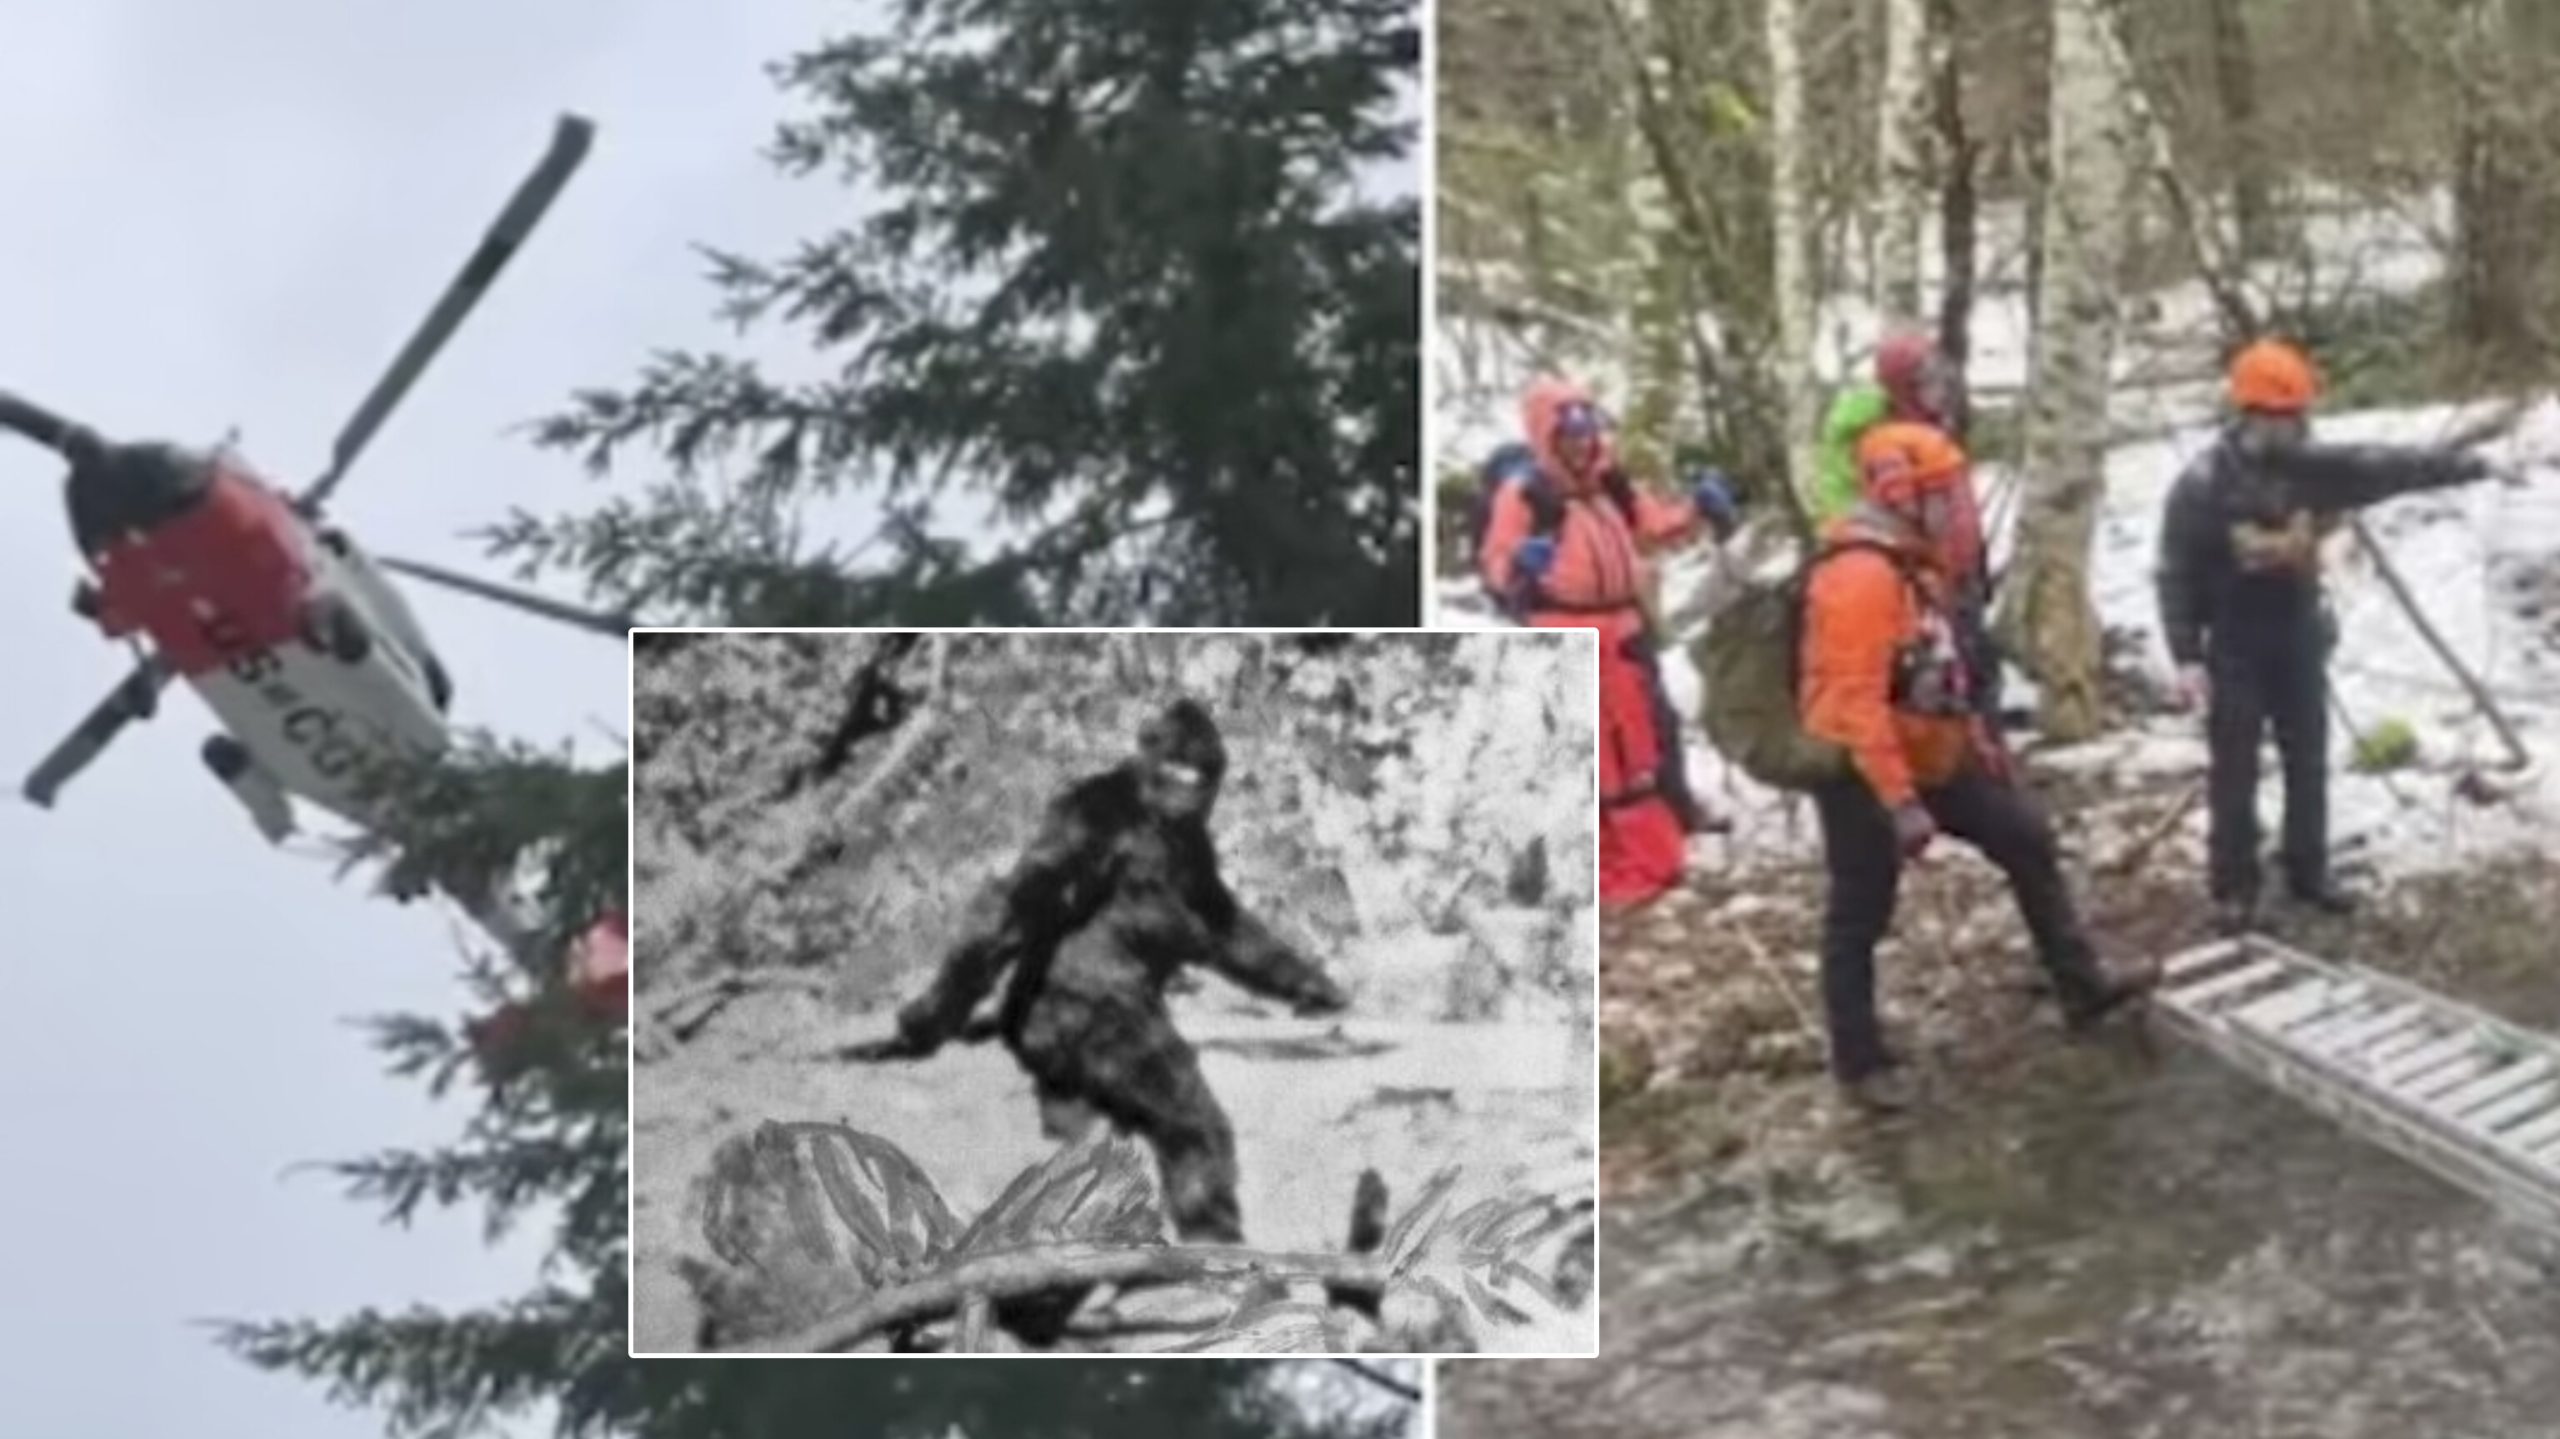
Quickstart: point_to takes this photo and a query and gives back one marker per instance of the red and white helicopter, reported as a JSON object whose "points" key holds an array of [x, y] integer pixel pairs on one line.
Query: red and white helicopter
{"points": [[294, 636]]}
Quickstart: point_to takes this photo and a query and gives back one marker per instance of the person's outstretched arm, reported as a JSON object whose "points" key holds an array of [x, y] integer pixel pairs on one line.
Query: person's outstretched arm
{"points": [[2333, 479]]}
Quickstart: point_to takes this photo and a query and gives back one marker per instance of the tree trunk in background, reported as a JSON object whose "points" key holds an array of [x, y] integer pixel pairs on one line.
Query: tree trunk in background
{"points": [[1957, 205], [2047, 618], [1657, 371], [2146, 135], [2039, 160], [2235, 78], [1902, 122], [1791, 275], [2506, 196]]}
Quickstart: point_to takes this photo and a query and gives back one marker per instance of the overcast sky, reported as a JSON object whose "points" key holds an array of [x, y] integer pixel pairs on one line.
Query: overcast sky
{"points": [[233, 213]]}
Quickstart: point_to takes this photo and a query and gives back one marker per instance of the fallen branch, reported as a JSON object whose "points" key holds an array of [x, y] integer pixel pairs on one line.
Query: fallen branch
{"points": [[1017, 1273], [2487, 703], [667, 1013], [2140, 850]]}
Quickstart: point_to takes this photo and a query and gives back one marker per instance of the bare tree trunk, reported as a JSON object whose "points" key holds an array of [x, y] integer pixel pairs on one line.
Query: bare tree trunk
{"points": [[1792, 277], [1657, 370], [2224, 274], [2047, 616], [1902, 121], [2506, 203], [2235, 76], [1958, 207], [2039, 161]]}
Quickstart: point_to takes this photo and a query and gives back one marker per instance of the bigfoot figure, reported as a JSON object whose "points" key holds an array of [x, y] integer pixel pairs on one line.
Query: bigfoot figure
{"points": [[1119, 891]]}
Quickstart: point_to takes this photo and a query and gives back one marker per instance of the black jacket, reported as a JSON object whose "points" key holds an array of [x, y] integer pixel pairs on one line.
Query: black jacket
{"points": [[2238, 549]]}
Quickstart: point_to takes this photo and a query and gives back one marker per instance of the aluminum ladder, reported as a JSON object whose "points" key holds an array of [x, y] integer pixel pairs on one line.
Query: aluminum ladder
{"points": [[2448, 1087]]}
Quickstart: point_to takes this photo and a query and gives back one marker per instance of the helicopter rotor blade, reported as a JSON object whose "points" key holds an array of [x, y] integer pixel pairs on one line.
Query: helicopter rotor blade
{"points": [[134, 699], [67, 438], [570, 139], [560, 611]]}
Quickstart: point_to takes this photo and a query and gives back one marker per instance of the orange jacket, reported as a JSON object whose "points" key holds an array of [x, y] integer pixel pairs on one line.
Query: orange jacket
{"points": [[1600, 560], [1866, 616]]}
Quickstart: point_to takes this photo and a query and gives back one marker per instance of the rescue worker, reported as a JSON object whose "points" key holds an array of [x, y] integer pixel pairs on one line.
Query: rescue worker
{"points": [[1913, 382], [1570, 552], [1884, 677], [2243, 614]]}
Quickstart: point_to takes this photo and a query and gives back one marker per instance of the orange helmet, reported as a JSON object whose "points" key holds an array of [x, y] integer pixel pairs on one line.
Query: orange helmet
{"points": [[2272, 377], [1901, 460]]}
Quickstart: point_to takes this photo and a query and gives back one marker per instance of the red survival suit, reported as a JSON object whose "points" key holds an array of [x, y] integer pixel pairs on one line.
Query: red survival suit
{"points": [[1597, 582]]}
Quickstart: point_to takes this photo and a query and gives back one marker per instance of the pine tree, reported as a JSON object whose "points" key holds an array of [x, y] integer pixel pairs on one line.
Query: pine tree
{"points": [[550, 1143], [1115, 278]]}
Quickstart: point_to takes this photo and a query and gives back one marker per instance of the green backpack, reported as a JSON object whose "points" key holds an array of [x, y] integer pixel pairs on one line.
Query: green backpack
{"points": [[1747, 662]]}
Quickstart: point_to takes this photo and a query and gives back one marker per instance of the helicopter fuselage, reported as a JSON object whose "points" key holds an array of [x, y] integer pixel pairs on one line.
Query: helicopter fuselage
{"points": [[314, 664]]}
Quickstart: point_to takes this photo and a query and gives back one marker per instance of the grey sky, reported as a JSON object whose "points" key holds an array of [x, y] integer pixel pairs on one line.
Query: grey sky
{"points": [[231, 214]]}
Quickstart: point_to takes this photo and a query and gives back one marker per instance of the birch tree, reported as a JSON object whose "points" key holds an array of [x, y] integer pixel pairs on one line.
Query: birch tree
{"points": [[1793, 276], [1902, 120], [2047, 618]]}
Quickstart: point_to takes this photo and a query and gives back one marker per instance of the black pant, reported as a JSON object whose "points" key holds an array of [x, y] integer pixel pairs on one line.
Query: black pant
{"points": [[1671, 769], [2283, 686], [1866, 874]]}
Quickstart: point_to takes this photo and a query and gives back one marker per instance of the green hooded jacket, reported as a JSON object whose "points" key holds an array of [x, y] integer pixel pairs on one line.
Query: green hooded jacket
{"points": [[1835, 472]]}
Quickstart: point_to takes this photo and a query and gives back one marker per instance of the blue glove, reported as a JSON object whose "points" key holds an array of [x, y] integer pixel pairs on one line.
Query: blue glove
{"points": [[1536, 556], [1713, 495]]}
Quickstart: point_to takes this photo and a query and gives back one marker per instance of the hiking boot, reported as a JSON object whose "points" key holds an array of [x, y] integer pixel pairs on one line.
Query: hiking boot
{"points": [[1881, 1091], [2114, 987], [2325, 898]]}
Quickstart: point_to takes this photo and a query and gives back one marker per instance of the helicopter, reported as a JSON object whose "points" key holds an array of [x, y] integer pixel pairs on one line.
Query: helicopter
{"points": [[294, 636]]}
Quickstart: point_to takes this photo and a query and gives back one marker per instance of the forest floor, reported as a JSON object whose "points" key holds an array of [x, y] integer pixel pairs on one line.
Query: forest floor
{"points": [[1313, 1103], [2109, 1237], [2118, 1237]]}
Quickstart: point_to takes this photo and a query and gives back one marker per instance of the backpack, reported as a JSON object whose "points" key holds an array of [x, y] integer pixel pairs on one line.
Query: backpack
{"points": [[1748, 661], [1503, 468]]}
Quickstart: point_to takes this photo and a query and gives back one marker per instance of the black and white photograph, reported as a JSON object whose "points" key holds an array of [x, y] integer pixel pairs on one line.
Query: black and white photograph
{"points": [[1212, 992]]}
